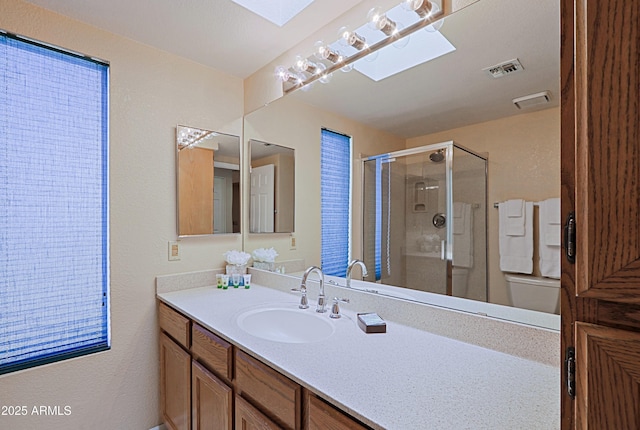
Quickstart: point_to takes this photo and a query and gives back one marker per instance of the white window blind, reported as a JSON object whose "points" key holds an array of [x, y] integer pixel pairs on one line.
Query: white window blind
{"points": [[335, 186], [54, 241]]}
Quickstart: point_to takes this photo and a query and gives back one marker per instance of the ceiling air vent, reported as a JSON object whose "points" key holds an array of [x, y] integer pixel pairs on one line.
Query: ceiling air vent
{"points": [[532, 100], [503, 69]]}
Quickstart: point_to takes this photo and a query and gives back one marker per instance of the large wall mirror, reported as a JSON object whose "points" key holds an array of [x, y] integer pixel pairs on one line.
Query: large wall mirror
{"points": [[272, 188], [208, 182], [453, 97]]}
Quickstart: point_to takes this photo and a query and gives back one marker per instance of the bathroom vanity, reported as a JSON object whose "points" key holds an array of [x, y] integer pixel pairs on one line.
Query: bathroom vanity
{"points": [[434, 368]]}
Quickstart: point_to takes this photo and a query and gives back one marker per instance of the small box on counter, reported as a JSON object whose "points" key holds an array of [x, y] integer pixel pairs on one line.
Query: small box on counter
{"points": [[371, 323]]}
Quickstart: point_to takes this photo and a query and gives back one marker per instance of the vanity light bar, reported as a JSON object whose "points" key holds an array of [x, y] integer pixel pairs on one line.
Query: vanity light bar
{"points": [[292, 80]]}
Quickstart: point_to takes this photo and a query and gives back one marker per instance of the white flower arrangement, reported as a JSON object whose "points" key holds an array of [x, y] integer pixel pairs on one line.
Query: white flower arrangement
{"points": [[265, 255], [237, 258]]}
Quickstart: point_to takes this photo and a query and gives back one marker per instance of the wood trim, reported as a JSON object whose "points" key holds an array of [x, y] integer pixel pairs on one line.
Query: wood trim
{"points": [[567, 189], [618, 315], [174, 324]]}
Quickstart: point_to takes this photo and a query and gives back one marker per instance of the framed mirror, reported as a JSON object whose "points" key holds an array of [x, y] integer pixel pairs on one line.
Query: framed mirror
{"points": [[272, 188], [207, 182]]}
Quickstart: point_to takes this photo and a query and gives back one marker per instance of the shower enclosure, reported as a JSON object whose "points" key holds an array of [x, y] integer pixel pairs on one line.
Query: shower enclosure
{"points": [[425, 220]]}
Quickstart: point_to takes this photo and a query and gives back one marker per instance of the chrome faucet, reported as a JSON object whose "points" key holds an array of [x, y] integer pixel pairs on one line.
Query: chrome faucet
{"points": [[303, 287], [350, 268]]}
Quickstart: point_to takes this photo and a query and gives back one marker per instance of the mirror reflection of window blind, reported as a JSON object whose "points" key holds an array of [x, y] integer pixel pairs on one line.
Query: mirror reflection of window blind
{"points": [[54, 265], [335, 185]]}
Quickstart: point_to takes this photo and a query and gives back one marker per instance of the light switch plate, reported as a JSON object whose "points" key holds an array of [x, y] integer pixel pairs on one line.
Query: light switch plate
{"points": [[174, 250], [292, 243]]}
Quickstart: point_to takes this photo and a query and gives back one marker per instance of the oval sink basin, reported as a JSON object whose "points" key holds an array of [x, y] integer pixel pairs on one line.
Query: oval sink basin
{"points": [[287, 325]]}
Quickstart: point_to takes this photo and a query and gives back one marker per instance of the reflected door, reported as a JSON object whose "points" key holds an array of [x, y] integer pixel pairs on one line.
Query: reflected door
{"points": [[262, 199], [220, 204], [195, 191]]}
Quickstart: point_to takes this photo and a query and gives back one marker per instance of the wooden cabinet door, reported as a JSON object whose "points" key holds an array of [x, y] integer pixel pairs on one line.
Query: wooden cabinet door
{"points": [[321, 416], [600, 135], [175, 382], [249, 418], [607, 378], [211, 400]]}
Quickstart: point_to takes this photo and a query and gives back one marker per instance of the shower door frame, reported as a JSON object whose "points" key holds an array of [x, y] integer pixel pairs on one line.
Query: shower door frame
{"points": [[447, 250]]}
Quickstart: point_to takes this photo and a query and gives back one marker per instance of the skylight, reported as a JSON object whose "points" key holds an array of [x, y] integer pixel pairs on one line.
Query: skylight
{"points": [[422, 47], [278, 12]]}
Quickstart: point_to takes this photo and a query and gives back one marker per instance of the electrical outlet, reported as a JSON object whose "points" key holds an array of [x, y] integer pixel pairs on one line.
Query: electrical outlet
{"points": [[292, 245], [174, 251]]}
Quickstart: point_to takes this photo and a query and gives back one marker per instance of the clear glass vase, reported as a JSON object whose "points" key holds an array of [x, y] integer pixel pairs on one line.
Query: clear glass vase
{"points": [[263, 265], [240, 269]]}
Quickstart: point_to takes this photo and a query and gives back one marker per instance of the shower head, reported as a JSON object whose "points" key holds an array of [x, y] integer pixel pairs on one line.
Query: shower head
{"points": [[437, 156]]}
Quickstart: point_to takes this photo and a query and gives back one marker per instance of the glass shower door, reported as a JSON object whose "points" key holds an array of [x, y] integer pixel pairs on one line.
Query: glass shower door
{"points": [[406, 225]]}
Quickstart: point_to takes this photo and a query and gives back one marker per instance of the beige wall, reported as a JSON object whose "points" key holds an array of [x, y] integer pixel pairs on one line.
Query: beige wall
{"points": [[288, 122], [524, 162], [150, 92]]}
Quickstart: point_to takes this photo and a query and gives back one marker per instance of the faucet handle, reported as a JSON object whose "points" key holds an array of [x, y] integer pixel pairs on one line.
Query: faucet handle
{"points": [[335, 308], [304, 303], [321, 304]]}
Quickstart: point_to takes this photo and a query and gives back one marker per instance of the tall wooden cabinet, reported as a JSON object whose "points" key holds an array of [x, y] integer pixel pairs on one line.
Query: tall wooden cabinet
{"points": [[600, 134]]}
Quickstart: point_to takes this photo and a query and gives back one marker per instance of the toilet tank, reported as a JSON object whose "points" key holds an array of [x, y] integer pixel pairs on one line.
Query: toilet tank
{"points": [[538, 294]]}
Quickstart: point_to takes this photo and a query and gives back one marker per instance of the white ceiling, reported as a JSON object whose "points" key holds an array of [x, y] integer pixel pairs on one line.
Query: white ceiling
{"points": [[448, 92], [217, 33]]}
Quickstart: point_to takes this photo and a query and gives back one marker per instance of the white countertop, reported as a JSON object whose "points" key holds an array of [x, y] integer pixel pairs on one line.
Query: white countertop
{"points": [[403, 379]]}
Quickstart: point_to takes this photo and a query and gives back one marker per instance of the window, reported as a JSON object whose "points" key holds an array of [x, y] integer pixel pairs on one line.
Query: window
{"points": [[335, 190], [54, 238]]}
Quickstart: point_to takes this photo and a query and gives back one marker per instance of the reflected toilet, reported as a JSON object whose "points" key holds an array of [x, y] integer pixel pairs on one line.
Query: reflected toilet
{"points": [[538, 294]]}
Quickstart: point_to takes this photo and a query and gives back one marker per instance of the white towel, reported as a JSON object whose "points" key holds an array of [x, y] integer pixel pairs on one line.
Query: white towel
{"points": [[516, 252], [463, 236], [458, 217], [514, 221], [550, 232], [514, 208]]}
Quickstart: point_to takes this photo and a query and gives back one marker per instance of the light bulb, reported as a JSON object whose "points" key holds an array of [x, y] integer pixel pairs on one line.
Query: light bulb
{"points": [[285, 75], [323, 52], [401, 43], [325, 78], [320, 69], [347, 68], [436, 26], [304, 65], [422, 7], [379, 21], [372, 56], [351, 38]]}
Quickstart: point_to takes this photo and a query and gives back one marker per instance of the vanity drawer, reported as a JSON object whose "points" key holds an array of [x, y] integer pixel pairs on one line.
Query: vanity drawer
{"points": [[174, 324], [274, 394], [212, 351]]}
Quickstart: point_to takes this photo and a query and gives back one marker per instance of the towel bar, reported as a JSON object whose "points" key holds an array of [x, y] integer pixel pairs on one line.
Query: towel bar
{"points": [[495, 204]]}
